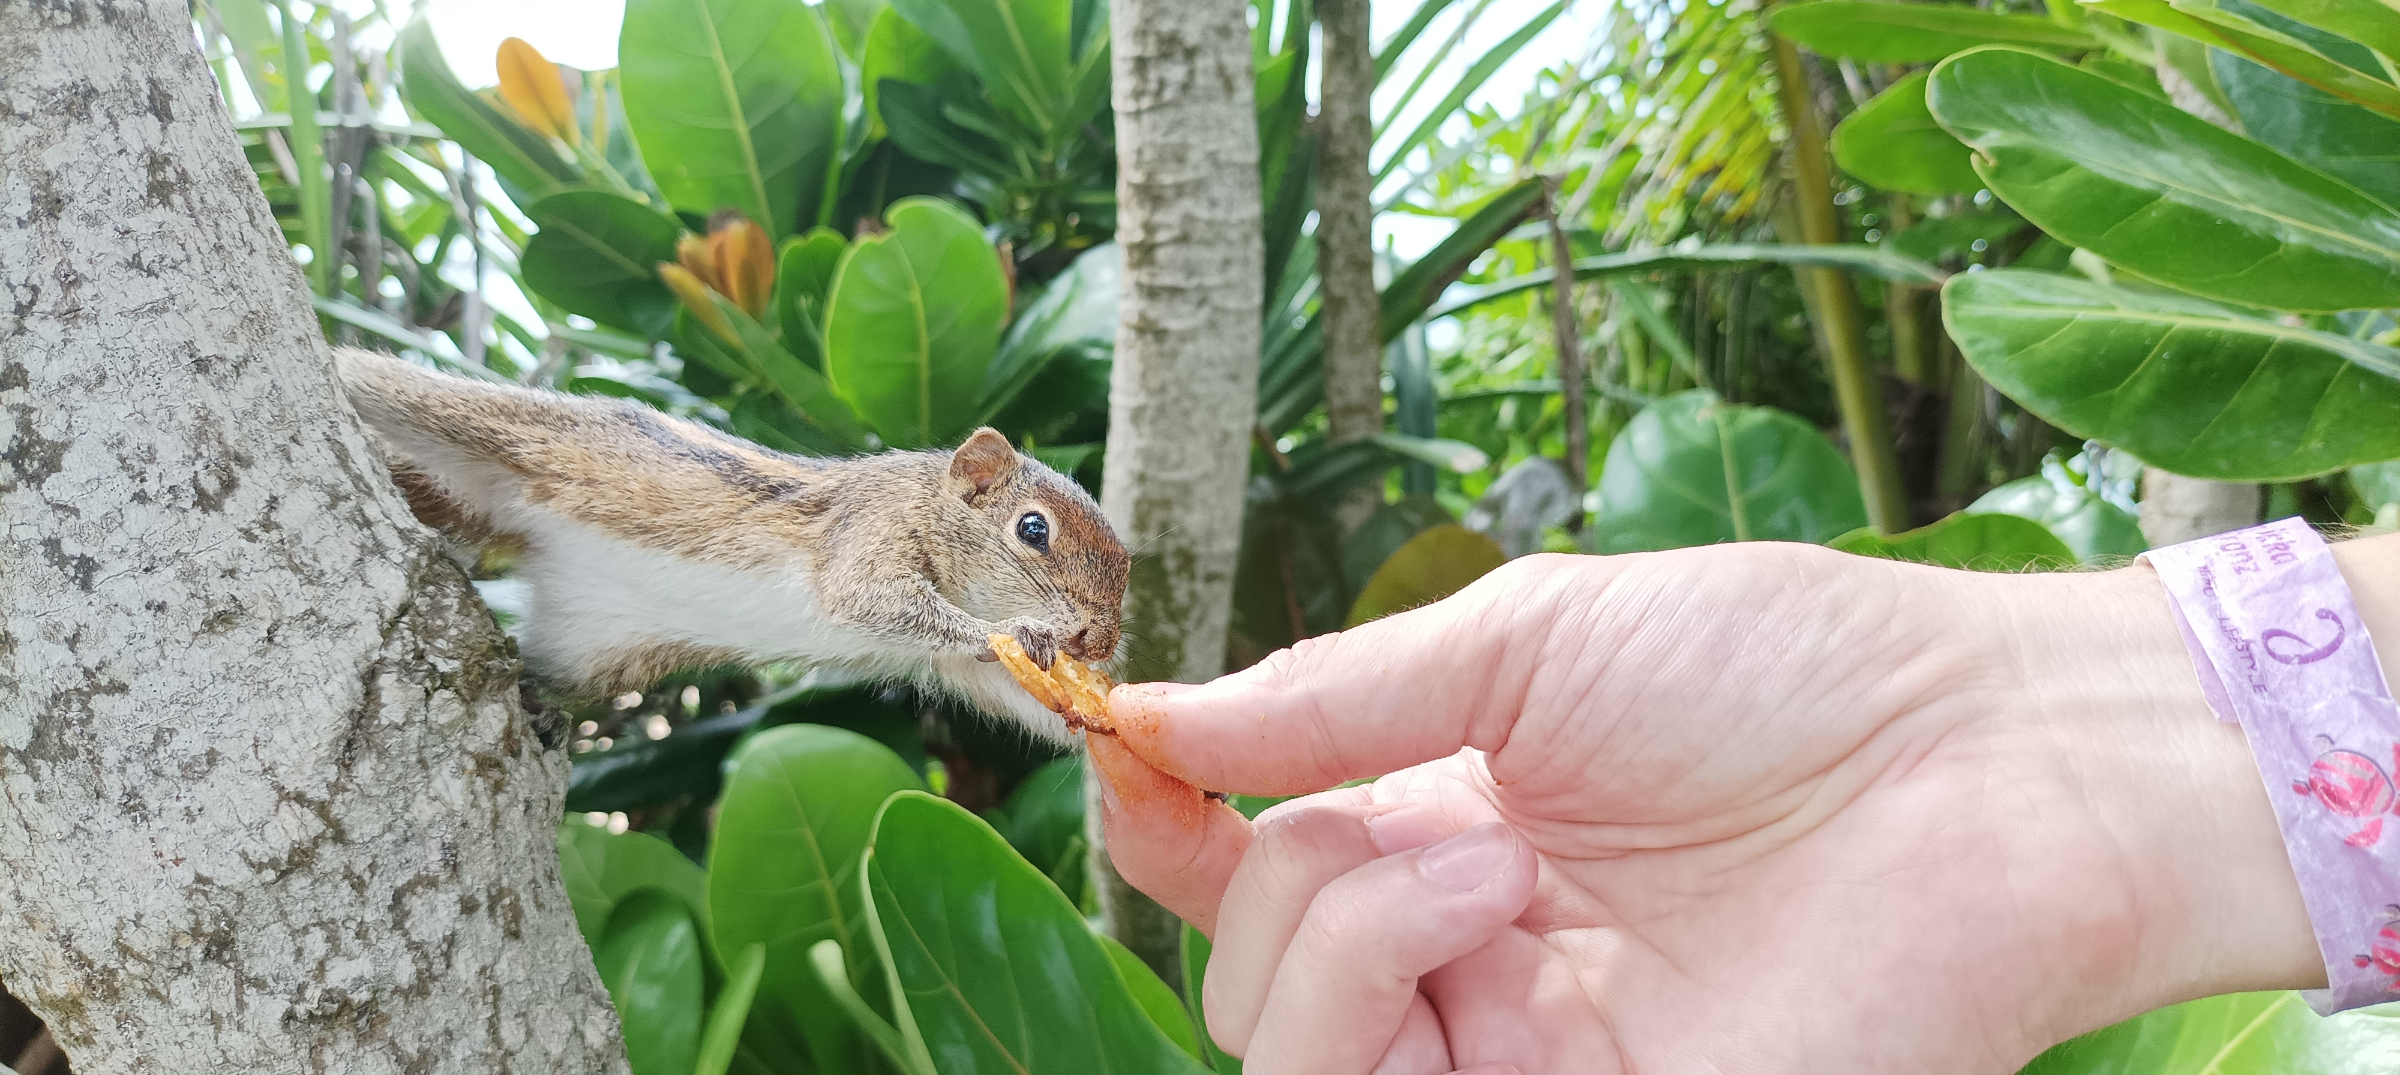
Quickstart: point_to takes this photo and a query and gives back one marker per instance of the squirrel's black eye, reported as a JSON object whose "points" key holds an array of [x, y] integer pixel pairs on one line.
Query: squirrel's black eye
{"points": [[1034, 530]]}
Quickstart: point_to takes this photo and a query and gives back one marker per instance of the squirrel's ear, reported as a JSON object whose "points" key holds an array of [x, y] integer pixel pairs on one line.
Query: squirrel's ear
{"points": [[982, 462]]}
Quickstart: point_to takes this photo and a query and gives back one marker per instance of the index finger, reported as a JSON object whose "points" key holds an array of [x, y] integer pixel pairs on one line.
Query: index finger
{"points": [[1402, 690]]}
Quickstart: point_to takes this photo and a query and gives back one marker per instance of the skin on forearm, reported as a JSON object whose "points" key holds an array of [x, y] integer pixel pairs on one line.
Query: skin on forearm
{"points": [[2216, 905]]}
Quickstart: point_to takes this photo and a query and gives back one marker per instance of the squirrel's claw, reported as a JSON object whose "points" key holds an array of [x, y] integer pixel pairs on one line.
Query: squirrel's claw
{"points": [[1040, 642]]}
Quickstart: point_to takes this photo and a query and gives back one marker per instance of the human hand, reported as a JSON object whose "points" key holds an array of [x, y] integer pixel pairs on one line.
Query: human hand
{"points": [[1756, 808]]}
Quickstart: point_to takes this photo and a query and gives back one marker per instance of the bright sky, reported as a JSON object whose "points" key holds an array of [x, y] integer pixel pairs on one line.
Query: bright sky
{"points": [[583, 33]]}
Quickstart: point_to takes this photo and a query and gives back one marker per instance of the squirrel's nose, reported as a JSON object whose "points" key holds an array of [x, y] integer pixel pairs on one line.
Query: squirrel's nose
{"points": [[1094, 643]]}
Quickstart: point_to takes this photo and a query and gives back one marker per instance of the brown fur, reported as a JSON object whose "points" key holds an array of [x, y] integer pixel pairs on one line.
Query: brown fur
{"points": [[915, 546]]}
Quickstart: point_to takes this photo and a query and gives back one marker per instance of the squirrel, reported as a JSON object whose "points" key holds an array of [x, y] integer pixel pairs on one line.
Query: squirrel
{"points": [[651, 543]]}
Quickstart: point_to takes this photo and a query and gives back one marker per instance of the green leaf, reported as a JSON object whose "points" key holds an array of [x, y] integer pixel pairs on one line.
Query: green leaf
{"points": [[2377, 484], [896, 49], [1045, 812], [1195, 973], [602, 869], [994, 969], [2235, 1034], [913, 321], [736, 103], [1384, 532], [723, 1033], [1690, 257], [1892, 142], [2374, 25], [1432, 565], [1473, 79], [914, 116], [1160, 1003], [1077, 312], [852, 22], [1020, 49], [1692, 469], [803, 275], [518, 154], [2163, 193], [808, 393], [783, 863], [2213, 24], [1968, 542], [2186, 385], [2309, 124], [1935, 238], [1891, 32], [833, 971], [650, 959], [597, 254], [2096, 530]]}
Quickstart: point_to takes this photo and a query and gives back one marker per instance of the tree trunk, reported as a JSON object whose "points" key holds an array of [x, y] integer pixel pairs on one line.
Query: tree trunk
{"points": [[1184, 395], [269, 801], [1571, 377], [1346, 242]]}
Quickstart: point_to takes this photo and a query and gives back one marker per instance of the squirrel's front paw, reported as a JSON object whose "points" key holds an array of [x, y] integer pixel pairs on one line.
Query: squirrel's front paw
{"points": [[1039, 640]]}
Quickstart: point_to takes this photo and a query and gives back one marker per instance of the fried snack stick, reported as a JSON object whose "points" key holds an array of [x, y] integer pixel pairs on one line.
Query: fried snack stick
{"points": [[1070, 688]]}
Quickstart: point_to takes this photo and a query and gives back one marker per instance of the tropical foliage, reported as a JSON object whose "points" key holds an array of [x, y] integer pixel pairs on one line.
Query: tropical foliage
{"points": [[1996, 259]]}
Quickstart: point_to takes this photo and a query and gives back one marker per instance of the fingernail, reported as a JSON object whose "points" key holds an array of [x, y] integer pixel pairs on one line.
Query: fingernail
{"points": [[1405, 829], [1469, 860]]}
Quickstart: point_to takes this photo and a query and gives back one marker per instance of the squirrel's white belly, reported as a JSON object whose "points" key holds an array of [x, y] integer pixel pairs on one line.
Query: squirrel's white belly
{"points": [[595, 597]]}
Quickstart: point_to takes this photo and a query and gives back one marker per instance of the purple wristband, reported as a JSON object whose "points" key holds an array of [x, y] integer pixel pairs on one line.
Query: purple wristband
{"points": [[2280, 648]]}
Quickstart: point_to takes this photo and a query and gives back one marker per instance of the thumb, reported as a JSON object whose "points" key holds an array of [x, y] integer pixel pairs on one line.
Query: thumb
{"points": [[1402, 690]]}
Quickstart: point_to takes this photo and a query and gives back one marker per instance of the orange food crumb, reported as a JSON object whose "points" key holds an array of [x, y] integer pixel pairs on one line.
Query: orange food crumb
{"points": [[1069, 688]]}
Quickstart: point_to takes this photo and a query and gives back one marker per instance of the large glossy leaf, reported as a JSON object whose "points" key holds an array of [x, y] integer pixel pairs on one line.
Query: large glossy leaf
{"points": [[519, 155], [2309, 124], [597, 254], [1692, 469], [2184, 384], [1159, 1002], [2374, 26], [1896, 32], [1967, 541], [991, 967], [834, 426], [650, 959], [602, 869], [1687, 257], [2095, 529], [1382, 534], [735, 103], [2235, 1034], [1022, 50], [1044, 813], [783, 863], [803, 276], [1892, 142], [1432, 565], [913, 321], [2164, 193], [1075, 314]]}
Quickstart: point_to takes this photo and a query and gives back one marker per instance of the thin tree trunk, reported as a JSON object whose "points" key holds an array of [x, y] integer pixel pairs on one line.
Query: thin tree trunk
{"points": [[267, 800], [1857, 382], [1572, 384], [1346, 242], [1184, 395]]}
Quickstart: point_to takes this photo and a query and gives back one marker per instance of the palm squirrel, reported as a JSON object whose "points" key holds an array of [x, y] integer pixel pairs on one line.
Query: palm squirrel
{"points": [[651, 543]]}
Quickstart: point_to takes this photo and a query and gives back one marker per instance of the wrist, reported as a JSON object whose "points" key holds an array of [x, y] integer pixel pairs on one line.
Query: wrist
{"points": [[2211, 899]]}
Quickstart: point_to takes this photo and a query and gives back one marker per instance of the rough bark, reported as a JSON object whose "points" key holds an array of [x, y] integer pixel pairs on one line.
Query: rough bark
{"points": [[267, 799], [1184, 394], [1352, 311]]}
